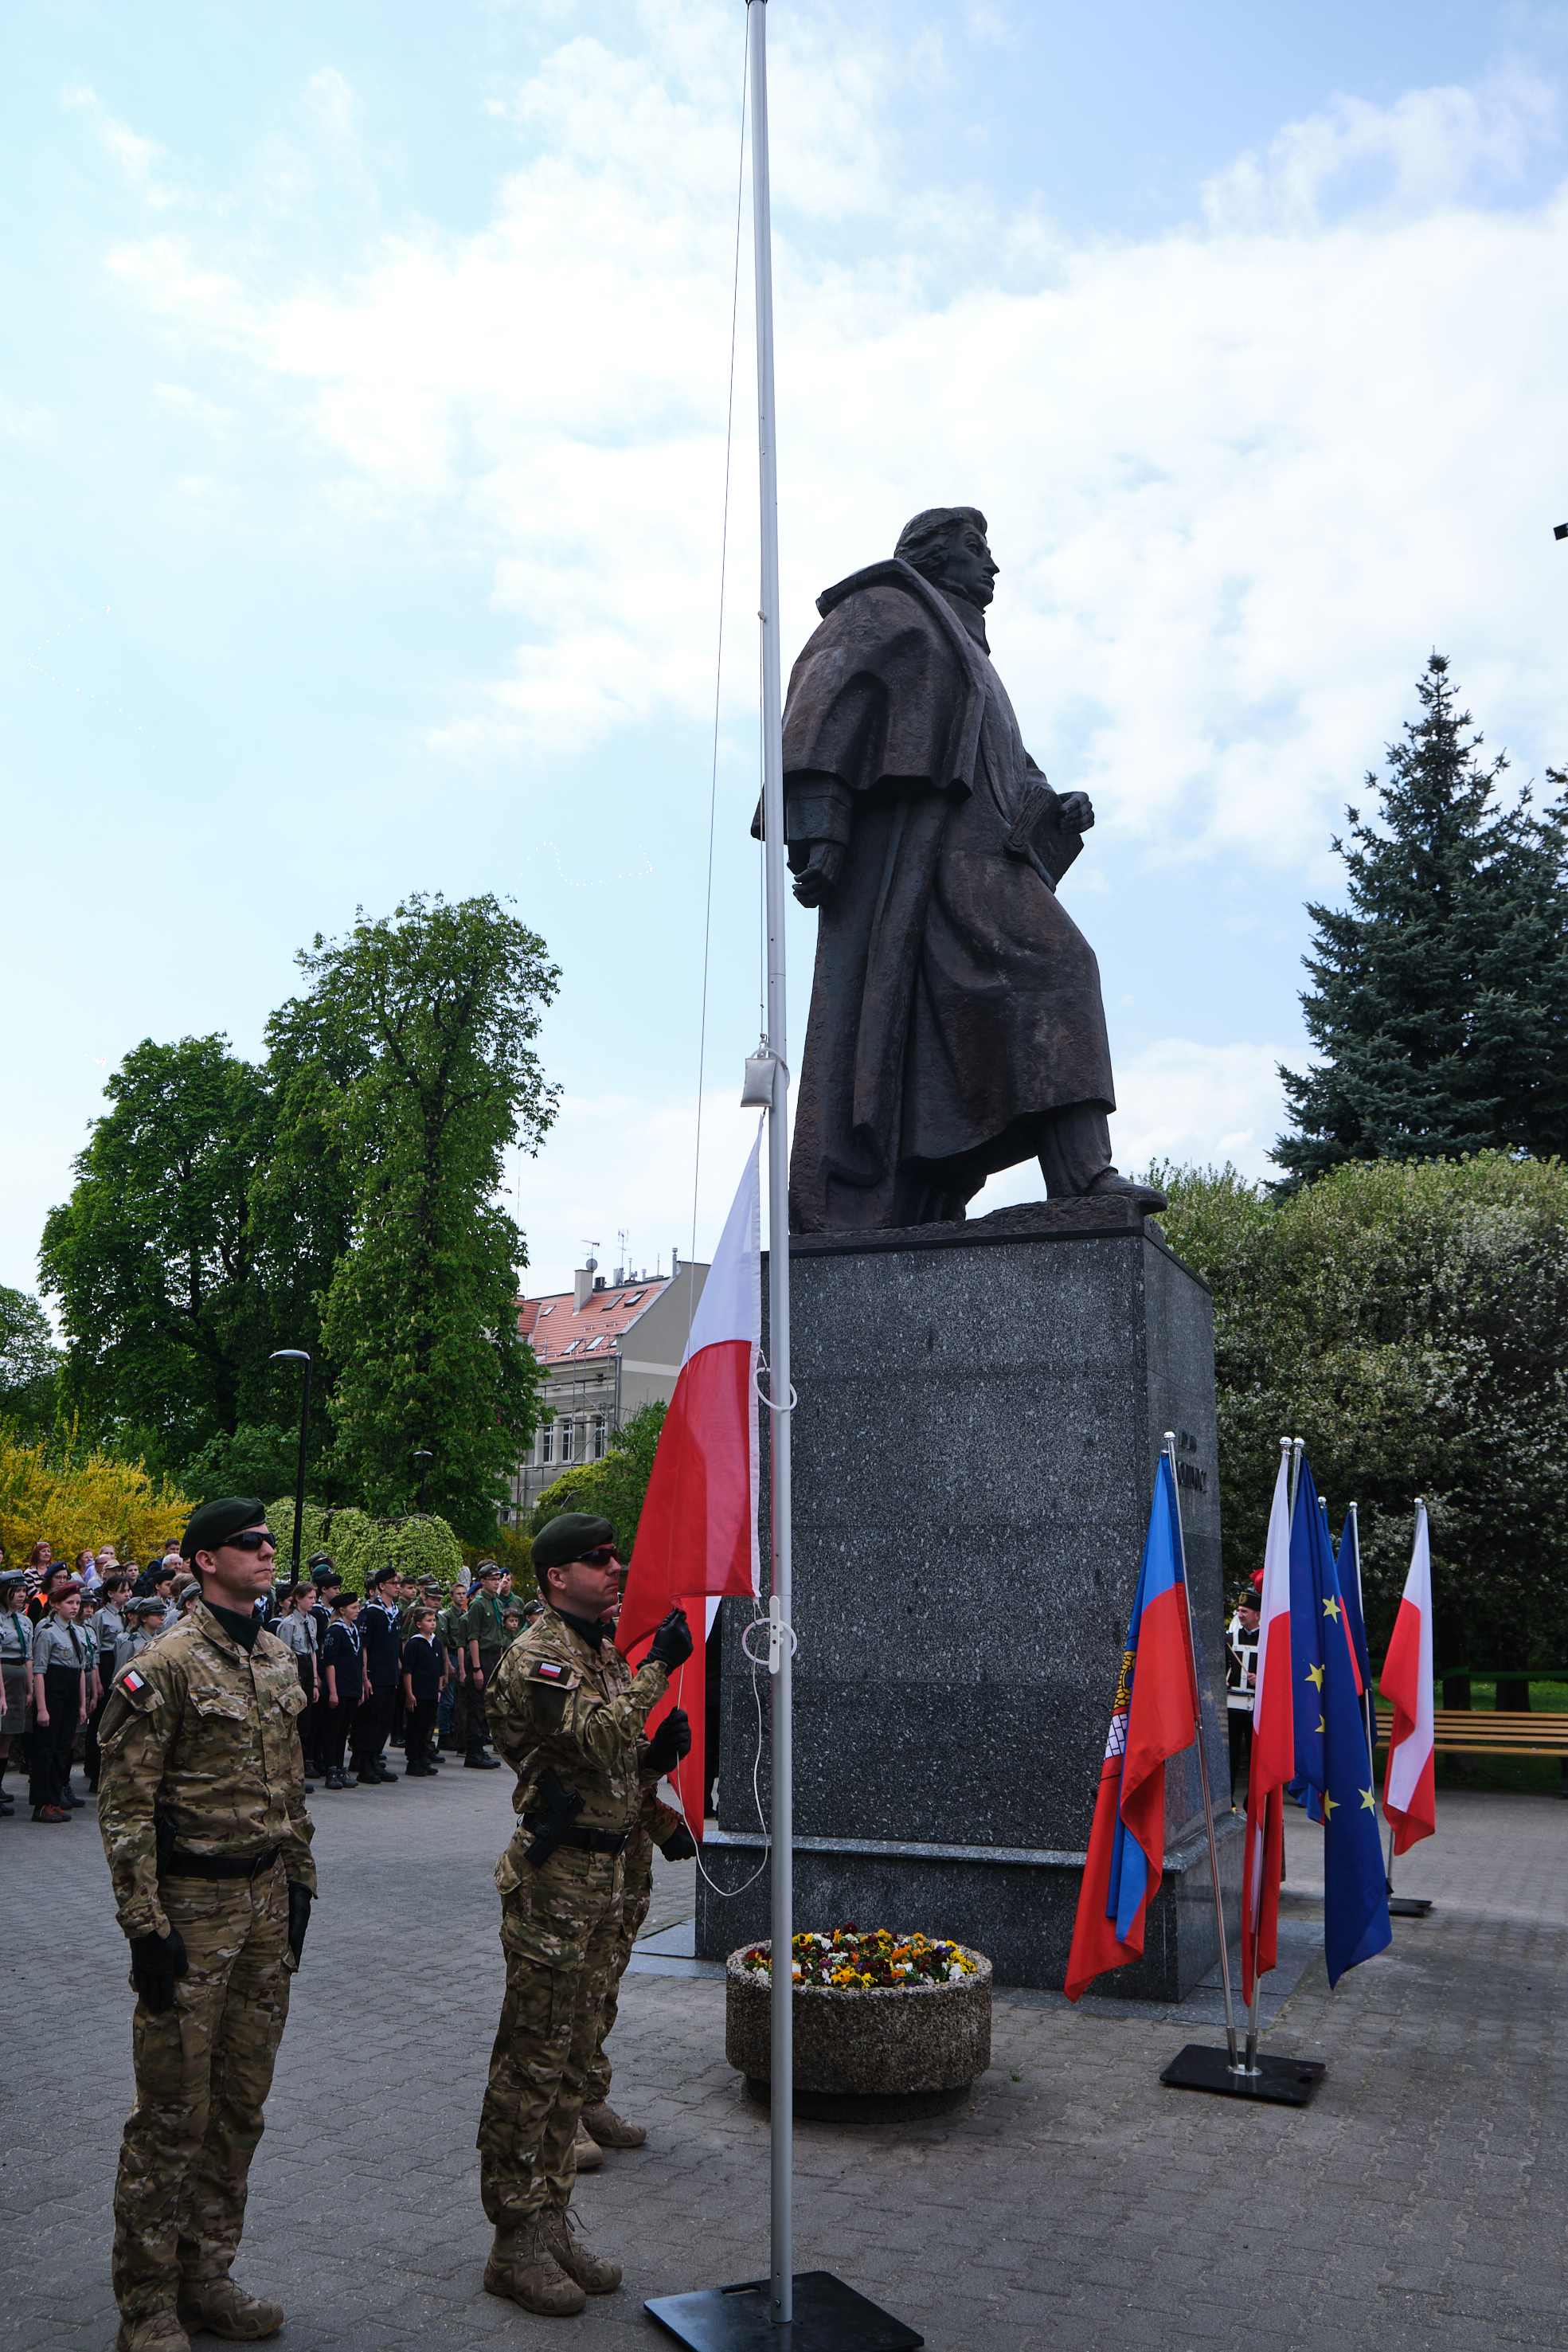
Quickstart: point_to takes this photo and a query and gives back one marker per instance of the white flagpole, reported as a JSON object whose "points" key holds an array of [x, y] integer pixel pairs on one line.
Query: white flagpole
{"points": [[1170, 1453], [780, 1640]]}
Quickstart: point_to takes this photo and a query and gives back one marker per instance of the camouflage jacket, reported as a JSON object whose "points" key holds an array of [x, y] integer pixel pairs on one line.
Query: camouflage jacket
{"points": [[203, 1731], [558, 1702]]}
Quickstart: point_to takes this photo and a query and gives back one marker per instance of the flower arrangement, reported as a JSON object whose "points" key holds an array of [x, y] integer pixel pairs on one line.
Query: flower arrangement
{"points": [[846, 1960]]}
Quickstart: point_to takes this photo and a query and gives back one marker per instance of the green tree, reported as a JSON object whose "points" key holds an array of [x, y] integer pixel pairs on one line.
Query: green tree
{"points": [[613, 1488], [1410, 1322], [29, 1363], [1440, 1008], [152, 1259], [425, 1022]]}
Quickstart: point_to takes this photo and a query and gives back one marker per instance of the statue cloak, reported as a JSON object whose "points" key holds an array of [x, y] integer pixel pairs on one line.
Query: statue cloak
{"points": [[956, 1005]]}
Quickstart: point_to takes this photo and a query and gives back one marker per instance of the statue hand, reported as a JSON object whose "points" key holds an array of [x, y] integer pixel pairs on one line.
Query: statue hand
{"points": [[817, 878], [1077, 812]]}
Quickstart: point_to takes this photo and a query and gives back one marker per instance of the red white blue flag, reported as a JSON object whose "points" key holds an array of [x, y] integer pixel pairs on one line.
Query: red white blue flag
{"points": [[1154, 1718]]}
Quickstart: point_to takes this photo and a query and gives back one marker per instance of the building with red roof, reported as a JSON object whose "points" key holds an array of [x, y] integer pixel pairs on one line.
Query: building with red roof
{"points": [[606, 1348]]}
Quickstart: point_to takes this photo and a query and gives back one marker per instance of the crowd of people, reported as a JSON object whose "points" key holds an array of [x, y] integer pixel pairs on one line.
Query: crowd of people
{"points": [[403, 1665]]}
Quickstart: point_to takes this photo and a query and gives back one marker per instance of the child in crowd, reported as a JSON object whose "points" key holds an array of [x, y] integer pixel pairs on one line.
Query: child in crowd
{"points": [[107, 1627], [15, 1670], [144, 1622], [61, 1675], [423, 1674], [344, 1668], [295, 1627]]}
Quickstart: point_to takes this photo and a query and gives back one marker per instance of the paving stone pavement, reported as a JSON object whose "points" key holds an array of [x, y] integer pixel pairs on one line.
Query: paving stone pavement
{"points": [[1418, 2203]]}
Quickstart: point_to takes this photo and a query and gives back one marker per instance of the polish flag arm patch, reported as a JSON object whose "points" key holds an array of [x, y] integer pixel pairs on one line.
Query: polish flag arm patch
{"points": [[134, 1682], [548, 1672]]}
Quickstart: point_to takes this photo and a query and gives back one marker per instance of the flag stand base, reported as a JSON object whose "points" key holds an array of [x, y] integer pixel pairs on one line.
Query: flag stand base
{"points": [[829, 2317], [1409, 1907], [1279, 2082]]}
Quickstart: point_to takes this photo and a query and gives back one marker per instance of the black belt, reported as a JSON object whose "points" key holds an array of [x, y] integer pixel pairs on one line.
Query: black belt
{"points": [[219, 1865], [589, 1841]]}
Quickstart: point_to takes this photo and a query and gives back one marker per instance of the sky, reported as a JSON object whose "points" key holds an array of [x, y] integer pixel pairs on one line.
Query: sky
{"points": [[363, 407]]}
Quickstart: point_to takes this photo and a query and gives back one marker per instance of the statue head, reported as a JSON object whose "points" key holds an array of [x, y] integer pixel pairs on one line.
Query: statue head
{"points": [[947, 546]]}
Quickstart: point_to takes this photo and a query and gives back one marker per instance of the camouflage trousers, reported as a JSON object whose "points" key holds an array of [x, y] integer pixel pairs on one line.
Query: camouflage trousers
{"points": [[637, 1893], [204, 2069], [558, 1930]]}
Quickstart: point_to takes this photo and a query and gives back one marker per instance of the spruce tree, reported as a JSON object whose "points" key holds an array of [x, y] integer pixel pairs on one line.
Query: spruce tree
{"points": [[1439, 1009]]}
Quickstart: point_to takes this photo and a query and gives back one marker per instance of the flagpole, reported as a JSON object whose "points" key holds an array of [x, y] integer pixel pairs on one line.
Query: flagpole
{"points": [[1294, 1448], [780, 1639], [1170, 1455], [1368, 1703]]}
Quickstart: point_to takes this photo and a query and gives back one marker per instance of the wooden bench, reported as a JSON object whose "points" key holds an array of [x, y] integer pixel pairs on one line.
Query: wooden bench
{"points": [[1485, 1731]]}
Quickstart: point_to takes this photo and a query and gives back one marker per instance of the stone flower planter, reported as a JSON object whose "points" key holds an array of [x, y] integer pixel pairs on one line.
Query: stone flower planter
{"points": [[866, 2054]]}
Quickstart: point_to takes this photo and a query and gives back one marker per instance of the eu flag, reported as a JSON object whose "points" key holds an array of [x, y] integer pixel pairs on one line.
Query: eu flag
{"points": [[1330, 1745]]}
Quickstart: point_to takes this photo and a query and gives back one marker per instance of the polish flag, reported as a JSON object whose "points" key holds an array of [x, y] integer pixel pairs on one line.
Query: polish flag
{"points": [[1273, 1748], [696, 1538], [1409, 1785]]}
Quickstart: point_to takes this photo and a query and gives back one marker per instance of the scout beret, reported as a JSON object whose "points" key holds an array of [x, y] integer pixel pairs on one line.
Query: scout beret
{"points": [[381, 1576], [149, 1605], [342, 1599], [214, 1523], [568, 1537], [487, 1568]]}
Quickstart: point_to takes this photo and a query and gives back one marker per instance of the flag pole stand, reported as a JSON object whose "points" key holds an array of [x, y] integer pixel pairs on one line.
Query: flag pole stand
{"points": [[811, 2311], [1271, 2082]]}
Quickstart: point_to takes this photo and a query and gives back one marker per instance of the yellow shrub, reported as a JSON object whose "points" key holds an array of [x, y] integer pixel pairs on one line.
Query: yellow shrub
{"points": [[73, 1499]]}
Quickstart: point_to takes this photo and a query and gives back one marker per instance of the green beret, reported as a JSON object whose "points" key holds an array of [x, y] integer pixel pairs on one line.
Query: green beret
{"points": [[214, 1523], [568, 1538]]}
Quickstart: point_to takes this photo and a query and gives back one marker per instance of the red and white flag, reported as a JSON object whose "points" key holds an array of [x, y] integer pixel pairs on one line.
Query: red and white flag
{"points": [[696, 1538], [1273, 1748], [1409, 1782]]}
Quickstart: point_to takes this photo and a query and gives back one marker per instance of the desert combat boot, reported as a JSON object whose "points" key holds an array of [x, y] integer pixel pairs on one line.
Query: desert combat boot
{"points": [[155, 2331], [224, 2309], [587, 2154], [611, 2130], [523, 2265], [594, 2275]]}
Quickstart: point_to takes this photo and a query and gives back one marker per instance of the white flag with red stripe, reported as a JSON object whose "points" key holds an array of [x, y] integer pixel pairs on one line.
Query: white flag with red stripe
{"points": [[696, 1537], [1273, 1762], [1409, 1782]]}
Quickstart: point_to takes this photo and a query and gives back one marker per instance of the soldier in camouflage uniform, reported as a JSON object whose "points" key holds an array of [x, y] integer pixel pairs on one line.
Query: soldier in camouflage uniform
{"points": [[567, 1713], [203, 1816], [658, 1825]]}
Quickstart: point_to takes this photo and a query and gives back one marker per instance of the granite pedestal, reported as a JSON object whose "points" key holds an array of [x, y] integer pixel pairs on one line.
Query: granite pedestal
{"points": [[980, 1414]]}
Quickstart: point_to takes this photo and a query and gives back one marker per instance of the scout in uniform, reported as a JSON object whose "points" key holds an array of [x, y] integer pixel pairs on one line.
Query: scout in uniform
{"points": [[483, 1639], [204, 1822], [567, 1713], [454, 1708], [16, 1667], [60, 1657]]}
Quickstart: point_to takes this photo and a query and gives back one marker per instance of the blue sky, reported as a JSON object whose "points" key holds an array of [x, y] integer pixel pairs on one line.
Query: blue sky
{"points": [[361, 459]]}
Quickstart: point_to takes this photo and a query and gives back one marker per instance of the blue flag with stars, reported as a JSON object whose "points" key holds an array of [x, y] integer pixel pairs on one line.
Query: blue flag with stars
{"points": [[1330, 1745]]}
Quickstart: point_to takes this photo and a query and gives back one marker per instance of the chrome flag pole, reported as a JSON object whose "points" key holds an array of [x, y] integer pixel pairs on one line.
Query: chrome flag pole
{"points": [[780, 1640]]}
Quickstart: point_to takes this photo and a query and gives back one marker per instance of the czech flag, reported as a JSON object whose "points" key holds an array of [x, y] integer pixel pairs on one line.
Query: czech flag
{"points": [[1154, 1717], [696, 1537], [1409, 1783], [1273, 1748]]}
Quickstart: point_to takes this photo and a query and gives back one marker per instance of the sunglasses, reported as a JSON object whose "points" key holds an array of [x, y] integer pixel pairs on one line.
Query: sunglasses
{"points": [[601, 1558], [248, 1539]]}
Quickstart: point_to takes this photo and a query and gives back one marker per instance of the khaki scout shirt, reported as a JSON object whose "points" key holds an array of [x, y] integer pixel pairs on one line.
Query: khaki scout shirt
{"points": [[558, 1702], [208, 1735]]}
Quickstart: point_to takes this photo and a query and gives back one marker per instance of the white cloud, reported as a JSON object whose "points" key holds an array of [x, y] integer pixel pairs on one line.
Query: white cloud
{"points": [[1240, 479], [138, 159]]}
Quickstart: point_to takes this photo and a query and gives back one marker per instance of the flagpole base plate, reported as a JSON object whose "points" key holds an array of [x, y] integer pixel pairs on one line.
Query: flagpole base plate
{"points": [[829, 2317], [1409, 1907], [1279, 2082]]}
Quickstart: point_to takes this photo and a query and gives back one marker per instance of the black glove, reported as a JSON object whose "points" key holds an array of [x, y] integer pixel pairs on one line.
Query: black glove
{"points": [[680, 1845], [300, 1900], [671, 1741], [671, 1645], [156, 1962]]}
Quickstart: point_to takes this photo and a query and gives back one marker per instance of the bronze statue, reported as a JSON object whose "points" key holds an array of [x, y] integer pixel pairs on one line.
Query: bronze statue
{"points": [[956, 1024]]}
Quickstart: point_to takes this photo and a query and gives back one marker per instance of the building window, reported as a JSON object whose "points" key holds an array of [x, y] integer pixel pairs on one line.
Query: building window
{"points": [[567, 1432], [546, 1441], [599, 1437]]}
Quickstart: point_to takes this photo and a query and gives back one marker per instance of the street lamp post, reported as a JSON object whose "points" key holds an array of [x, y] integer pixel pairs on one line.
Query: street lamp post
{"points": [[425, 1458], [297, 1356]]}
